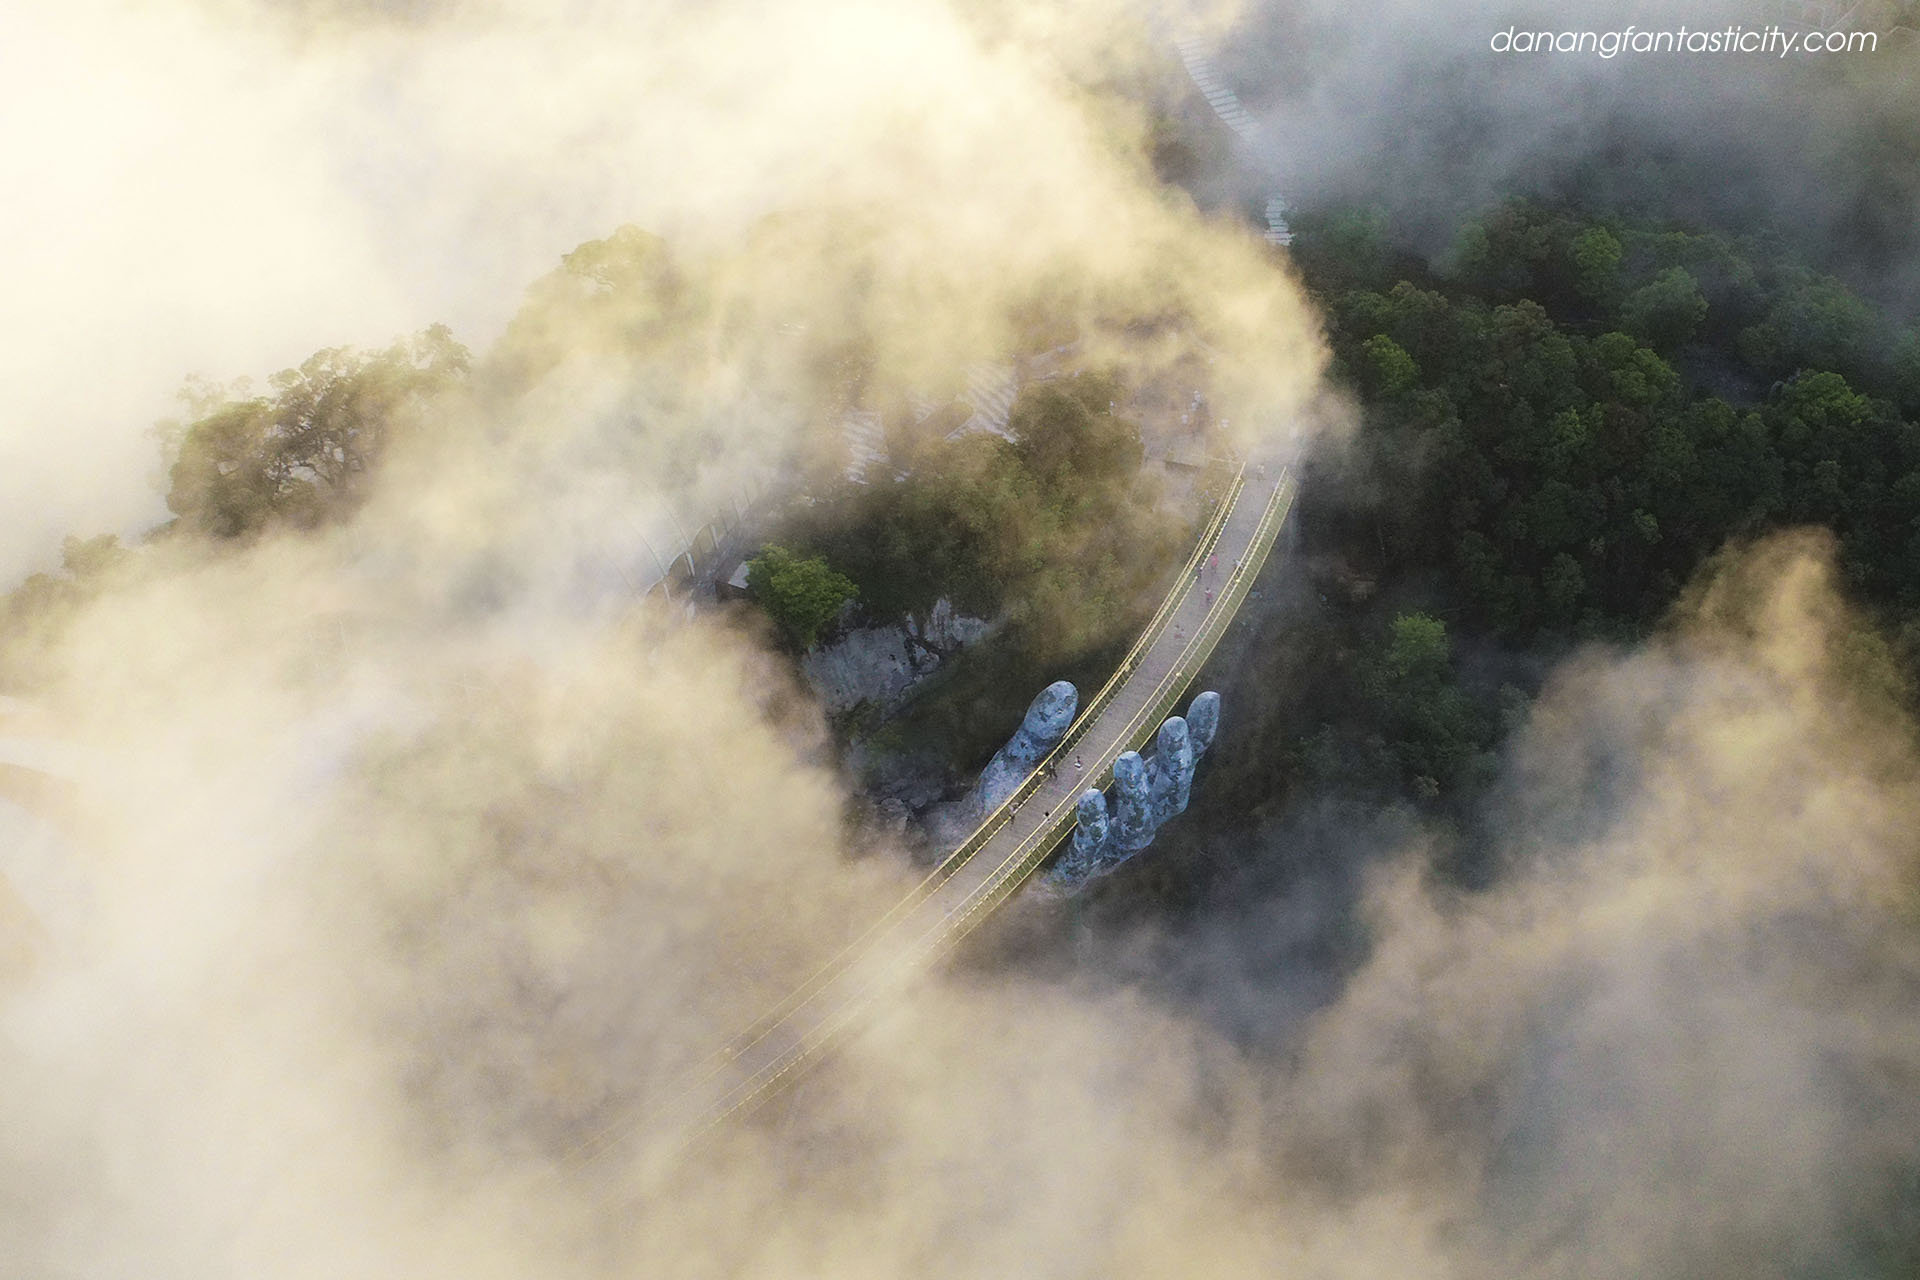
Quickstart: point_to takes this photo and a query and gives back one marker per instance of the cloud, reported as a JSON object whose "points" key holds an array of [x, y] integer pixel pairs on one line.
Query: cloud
{"points": [[412, 853], [410, 862], [222, 189], [1674, 1039]]}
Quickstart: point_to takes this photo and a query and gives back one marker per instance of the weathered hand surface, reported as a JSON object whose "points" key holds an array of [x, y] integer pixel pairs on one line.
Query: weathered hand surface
{"points": [[1146, 794], [1046, 722]]}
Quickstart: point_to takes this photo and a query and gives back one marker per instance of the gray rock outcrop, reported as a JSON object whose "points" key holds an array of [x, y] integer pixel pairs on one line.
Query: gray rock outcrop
{"points": [[880, 665]]}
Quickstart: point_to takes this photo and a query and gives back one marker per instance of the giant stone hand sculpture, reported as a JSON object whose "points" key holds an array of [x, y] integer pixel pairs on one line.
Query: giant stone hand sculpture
{"points": [[1146, 794], [1046, 723]]}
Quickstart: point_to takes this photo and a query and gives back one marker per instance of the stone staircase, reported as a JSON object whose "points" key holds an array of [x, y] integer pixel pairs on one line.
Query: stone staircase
{"points": [[1278, 232], [1224, 102], [990, 391], [1227, 106], [866, 441]]}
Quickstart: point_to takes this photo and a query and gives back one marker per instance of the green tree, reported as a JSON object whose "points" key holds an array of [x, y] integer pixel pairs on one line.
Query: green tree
{"points": [[802, 594], [305, 453], [1666, 312], [618, 296], [1346, 248], [1432, 728], [1070, 438], [1906, 371], [1564, 586], [1815, 323], [33, 614], [1386, 369], [1630, 374], [1596, 256], [1417, 654], [1504, 253]]}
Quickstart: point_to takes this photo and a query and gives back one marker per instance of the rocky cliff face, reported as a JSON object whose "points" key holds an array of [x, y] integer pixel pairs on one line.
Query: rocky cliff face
{"points": [[882, 664]]}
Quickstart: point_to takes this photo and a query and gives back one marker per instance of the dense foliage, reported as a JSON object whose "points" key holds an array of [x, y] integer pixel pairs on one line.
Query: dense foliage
{"points": [[800, 593], [1577, 414], [303, 454], [1040, 527], [1562, 421]]}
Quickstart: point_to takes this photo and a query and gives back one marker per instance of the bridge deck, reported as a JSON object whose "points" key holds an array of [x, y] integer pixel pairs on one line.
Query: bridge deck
{"points": [[1013, 841]]}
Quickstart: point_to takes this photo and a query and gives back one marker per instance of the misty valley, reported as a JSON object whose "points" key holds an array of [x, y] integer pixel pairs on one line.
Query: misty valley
{"points": [[976, 638]]}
